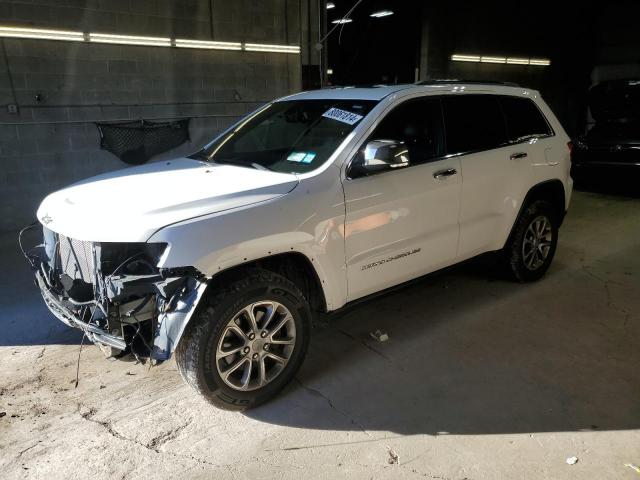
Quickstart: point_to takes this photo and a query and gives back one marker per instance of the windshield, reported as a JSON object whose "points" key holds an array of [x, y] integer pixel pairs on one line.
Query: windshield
{"points": [[294, 136]]}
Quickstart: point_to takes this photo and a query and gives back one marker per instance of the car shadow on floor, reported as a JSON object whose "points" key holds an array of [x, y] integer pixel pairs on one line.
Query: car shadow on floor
{"points": [[469, 353]]}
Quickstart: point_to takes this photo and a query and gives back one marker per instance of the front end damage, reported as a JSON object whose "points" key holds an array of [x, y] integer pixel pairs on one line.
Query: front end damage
{"points": [[116, 292]]}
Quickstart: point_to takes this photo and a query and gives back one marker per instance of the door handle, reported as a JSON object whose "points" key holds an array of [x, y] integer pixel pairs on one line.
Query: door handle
{"points": [[445, 173], [517, 155]]}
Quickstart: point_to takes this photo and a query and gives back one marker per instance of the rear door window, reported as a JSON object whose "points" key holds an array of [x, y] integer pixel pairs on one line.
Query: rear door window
{"points": [[524, 119], [473, 123]]}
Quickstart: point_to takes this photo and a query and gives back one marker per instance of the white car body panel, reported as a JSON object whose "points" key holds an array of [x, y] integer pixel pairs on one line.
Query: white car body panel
{"points": [[405, 215], [493, 188], [310, 222], [130, 205], [215, 217]]}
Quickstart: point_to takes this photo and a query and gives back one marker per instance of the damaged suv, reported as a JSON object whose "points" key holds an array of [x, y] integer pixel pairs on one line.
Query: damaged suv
{"points": [[311, 202]]}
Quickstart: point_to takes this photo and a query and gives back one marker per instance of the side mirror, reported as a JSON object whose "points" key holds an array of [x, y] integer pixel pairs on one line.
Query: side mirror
{"points": [[383, 155]]}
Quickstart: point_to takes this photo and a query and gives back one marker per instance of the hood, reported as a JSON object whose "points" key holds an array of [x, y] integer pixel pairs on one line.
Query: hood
{"points": [[130, 205]]}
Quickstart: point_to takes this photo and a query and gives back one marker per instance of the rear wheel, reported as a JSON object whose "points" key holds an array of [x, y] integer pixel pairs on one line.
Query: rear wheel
{"points": [[246, 342], [532, 245]]}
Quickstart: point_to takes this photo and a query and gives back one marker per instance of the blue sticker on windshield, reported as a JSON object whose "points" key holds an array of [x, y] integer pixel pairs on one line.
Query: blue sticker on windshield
{"points": [[308, 158], [301, 157], [296, 156]]}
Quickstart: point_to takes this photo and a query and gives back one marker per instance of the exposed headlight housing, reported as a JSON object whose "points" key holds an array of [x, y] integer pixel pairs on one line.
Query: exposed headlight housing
{"points": [[130, 258]]}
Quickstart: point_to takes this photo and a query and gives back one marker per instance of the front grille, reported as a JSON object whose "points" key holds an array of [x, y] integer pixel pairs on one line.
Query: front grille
{"points": [[76, 258], [69, 256]]}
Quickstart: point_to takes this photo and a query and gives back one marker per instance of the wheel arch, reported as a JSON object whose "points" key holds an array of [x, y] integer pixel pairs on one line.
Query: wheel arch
{"points": [[295, 266], [549, 190]]}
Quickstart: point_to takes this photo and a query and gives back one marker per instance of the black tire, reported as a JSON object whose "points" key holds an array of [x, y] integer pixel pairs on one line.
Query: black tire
{"points": [[195, 354], [513, 252]]}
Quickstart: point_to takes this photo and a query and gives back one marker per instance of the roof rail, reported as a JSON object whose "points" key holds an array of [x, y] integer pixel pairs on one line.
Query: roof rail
{"points": [[468, 82], [363, 85]]}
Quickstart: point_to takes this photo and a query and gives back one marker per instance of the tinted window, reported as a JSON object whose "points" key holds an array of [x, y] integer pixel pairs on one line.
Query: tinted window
{"points": [[523, 119], [473, 122], [417, 123], [289, 136]]}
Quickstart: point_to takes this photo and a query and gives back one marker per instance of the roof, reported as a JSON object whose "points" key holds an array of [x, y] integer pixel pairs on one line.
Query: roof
{"points": [[349, 93], [378, 92]]}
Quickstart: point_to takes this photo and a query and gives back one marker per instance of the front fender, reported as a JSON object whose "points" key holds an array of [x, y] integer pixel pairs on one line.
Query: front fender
{"points": [[309, 220], [173, 316]]}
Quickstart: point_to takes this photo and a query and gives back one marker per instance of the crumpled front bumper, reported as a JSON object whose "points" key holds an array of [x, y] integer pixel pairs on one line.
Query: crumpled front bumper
{"points": [[55, 304], [163, 301]]}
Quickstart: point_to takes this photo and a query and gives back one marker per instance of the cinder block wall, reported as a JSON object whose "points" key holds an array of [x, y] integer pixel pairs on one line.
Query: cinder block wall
{"points": [[53, 142]]}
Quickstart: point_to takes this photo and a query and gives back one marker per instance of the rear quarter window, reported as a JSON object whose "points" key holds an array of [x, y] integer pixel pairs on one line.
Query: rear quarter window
{"points": [[523, 118]]}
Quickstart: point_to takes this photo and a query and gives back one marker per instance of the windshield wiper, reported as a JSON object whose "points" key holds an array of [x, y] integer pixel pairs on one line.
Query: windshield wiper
{"points": [[239, 164], [200, 155], [260, 167]]}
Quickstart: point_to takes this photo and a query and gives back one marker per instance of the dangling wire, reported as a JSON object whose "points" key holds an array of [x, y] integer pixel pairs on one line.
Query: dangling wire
{"points": [[340, 23], [84, 334]]}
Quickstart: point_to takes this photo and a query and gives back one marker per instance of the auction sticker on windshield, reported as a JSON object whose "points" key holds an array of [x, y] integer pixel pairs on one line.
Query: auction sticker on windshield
{"points": [[342, 116]]}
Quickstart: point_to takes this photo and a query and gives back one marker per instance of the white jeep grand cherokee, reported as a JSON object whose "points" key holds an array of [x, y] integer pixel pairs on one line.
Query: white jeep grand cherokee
{"points": [[309, 203]]}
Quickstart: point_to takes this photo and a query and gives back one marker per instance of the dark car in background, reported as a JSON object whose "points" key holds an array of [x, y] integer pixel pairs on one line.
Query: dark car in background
{"points": [[611, 147]]}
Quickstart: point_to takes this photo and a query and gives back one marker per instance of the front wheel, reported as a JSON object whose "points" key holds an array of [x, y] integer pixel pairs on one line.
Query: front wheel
{"points": [[246, 341], [533, 243]]}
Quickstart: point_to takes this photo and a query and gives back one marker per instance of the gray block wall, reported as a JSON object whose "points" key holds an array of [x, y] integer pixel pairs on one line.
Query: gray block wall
{"points": [[53, 142]]}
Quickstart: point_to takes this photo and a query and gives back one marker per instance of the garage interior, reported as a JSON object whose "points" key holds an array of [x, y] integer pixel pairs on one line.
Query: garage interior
{"points": [[480, 378]]}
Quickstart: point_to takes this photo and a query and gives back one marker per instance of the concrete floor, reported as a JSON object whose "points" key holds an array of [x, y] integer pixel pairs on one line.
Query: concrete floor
{"points": [[481, 379]]}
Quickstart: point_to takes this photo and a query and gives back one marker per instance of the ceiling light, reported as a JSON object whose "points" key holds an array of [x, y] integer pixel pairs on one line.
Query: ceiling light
{"points": [[518, 61], [342, 20], [130, 40], [381, 13], [37, 33], [184, 43], [260, 47], [465, 58], [330, 5], [15, 32], [539, 61], [493, 59]]}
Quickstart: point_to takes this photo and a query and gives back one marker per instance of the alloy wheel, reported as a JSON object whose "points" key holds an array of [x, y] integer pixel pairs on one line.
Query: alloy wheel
{"points": [[536, 244], [256, 345]]}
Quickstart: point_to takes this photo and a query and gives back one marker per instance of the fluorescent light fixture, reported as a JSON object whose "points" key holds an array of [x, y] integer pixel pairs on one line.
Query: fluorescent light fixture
{"points": [[129, 40], [38, 33], [465, 58], [493, 59], [381, 13], [342, 20], [541, 62], [330, 5], [184, 43], [517, 61], [260, 47]]}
